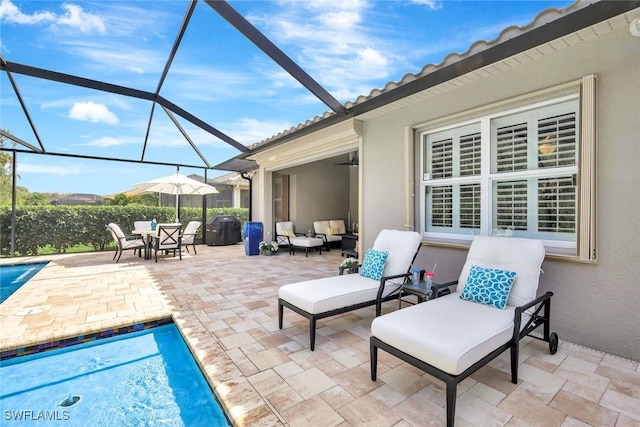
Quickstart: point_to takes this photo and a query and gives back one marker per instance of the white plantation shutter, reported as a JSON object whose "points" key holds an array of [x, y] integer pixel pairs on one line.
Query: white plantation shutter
{"points": [[442, 158], [534, 149], [511, 205], [526, 172], [452, 154], [557, 136], [511, 148], [557, 205], [470, 207], [470, 154], [441, 206]]}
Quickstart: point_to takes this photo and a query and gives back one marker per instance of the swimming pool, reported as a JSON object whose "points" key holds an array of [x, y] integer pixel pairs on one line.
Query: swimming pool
{"points": [[12, 276], [143, 378]]}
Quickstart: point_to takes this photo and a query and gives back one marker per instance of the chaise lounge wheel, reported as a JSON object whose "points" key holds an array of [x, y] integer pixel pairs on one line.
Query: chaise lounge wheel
{"points": [[553, 343]]}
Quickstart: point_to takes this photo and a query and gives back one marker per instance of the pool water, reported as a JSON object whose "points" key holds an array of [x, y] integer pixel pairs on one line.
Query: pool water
{"points": [[15, 275], [144, 378]]}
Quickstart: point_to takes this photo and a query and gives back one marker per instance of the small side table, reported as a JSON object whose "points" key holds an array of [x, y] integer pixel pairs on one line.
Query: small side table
{"points": [[348, 246], [421, 290]]}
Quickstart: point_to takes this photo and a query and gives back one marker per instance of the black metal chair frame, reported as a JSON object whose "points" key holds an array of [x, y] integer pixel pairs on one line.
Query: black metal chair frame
{"points": [[193, 244], [313, 318], [280, 239], [119, 248], [323, 236], [452, 381], [173, 238]]}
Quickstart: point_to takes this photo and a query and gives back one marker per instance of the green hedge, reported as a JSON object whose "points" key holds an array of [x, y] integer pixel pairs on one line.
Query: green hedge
{"points": [[63, 227]]}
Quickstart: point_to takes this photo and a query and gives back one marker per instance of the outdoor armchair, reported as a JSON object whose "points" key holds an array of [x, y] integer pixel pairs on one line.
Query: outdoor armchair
{"points": [[285, 232], [124, 242], [189, 235], [142, 225], [168, 238], [377, 281], [493, 307]]}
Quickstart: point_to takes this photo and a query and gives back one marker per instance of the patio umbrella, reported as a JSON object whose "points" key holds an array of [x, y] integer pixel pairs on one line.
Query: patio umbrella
{"points": [[177, 184]]}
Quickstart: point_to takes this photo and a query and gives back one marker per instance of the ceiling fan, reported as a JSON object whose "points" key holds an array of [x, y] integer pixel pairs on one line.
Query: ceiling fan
{"points": [[353, 160]]}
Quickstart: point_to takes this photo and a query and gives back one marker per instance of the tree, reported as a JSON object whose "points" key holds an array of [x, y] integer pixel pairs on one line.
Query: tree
{"points": [[149, 199], [33, 199], [6, 161], [120, 200]]}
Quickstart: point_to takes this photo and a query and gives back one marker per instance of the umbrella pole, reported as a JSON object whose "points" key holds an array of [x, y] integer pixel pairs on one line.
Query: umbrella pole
{"points": [[177, 205]]}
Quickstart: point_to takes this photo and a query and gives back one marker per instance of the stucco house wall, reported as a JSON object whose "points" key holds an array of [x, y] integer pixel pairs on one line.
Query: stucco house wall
{"points": [[322, 193], [309, 197], [598, 304]]}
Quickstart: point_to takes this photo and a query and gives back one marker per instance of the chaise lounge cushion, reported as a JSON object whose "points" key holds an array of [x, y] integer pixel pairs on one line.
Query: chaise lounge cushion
{"points": [[453, 333], [321, 295], [497, 252], [454, 345], [321, 298], [330, 293]]}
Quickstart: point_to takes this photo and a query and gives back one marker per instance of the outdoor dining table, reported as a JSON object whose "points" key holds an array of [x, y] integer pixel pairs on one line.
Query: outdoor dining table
{"points": [[147, 236]]}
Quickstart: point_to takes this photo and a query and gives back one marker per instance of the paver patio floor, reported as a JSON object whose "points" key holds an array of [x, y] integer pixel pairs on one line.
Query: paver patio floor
{"points": [[225, 304]]}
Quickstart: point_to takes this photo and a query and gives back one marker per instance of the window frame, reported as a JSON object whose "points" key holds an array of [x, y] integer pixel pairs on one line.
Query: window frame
{"points": [[583, 246]]}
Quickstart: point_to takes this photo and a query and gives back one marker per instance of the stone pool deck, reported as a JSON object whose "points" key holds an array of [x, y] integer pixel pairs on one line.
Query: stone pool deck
{"points": [[225, 304]]}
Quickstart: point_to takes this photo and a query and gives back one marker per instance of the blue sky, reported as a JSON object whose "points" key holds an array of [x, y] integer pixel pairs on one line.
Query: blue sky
{"points": [[349, 47]]}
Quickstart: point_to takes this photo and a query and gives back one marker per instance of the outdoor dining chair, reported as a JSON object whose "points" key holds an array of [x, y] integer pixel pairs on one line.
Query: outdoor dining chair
{"points": [[189, 235], [168, 238], [142, 225], [124, 242]]}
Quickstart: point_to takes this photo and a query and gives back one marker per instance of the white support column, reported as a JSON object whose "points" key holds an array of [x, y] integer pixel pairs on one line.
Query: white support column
{"points": [[237, 198]]}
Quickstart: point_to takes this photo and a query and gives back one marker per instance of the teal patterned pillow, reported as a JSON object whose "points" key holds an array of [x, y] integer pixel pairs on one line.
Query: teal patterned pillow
{"points": [[488, 286], [373, 264]]}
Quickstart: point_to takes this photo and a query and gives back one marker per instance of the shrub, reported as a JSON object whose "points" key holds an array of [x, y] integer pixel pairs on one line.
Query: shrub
{"points": [[64, 227]]}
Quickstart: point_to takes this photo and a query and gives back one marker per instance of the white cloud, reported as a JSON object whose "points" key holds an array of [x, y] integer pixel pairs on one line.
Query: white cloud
{"points": [[73, 17], [118, 55], [107, 141], [68, 169], [9, 12], [334, 42], [431, 4], [248, 131], [90, 111]]}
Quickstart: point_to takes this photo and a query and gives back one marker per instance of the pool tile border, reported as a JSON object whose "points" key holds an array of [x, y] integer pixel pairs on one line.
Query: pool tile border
{"points": [[80, 339]]}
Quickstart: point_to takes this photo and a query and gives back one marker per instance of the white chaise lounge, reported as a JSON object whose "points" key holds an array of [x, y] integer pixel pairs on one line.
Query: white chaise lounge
{"points": [[320, 298], [455, 335]]}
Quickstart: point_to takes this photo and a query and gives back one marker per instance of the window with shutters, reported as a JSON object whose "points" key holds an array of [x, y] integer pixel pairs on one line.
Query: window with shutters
{"points": [[511, 173], [454, 156]]}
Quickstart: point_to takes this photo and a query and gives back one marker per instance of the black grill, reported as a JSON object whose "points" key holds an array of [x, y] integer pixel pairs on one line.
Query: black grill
{"points": [[224, 230]]}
